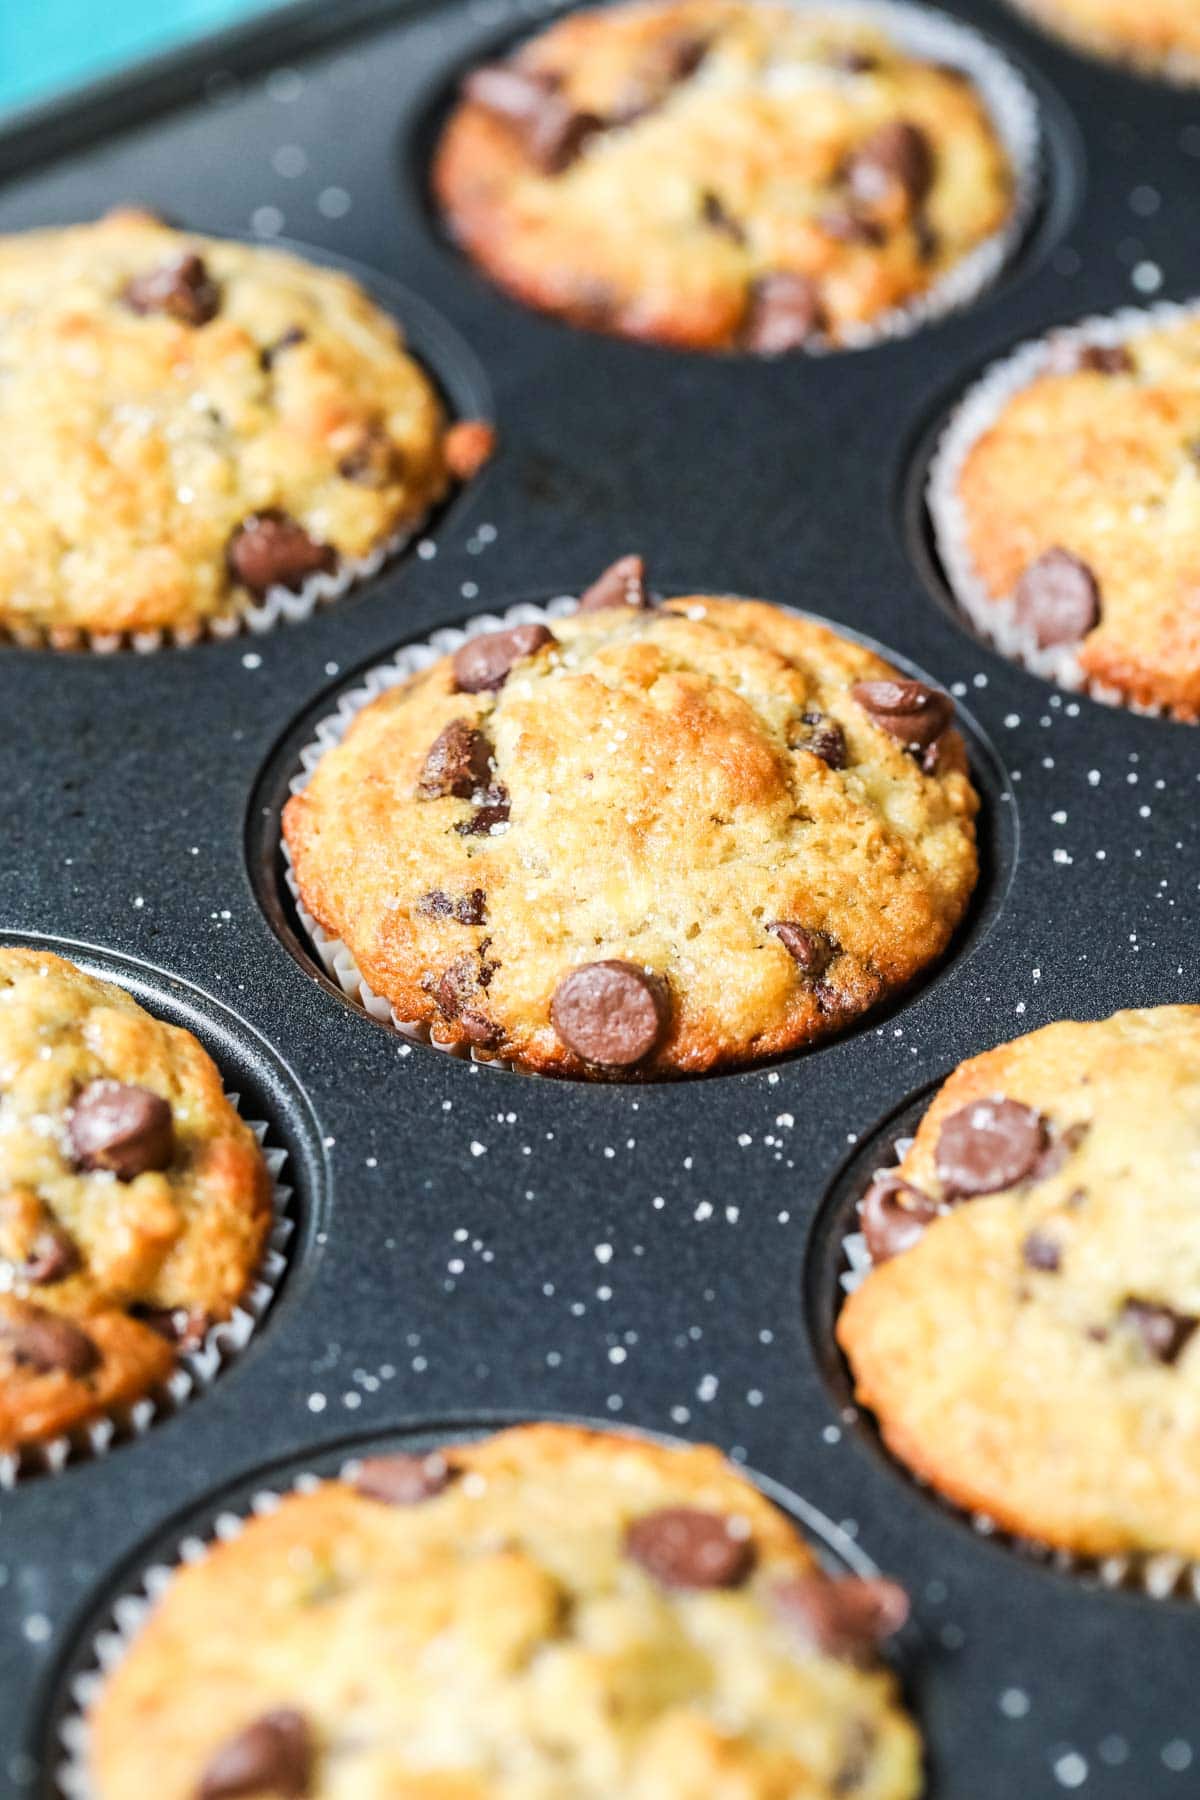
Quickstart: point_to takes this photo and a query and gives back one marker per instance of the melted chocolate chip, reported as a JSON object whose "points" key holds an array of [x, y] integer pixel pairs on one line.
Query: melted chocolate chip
{"points": [[270, 353], [485, 662], [850, 227], [907, 710], [468, 909], [272, 1755], [664, 63], [825, 739], [47, 1343], [784, 312], [847, 1618], [1057, 599], [893, 1215], [623, 583], [684, 1547], [988, 1145], [374, 461], [1041, 1252], [611, 1013], [124, 1129], [458, 761], [182, 289], [852, 61], [1164, 1332], [897, 154], [1104, 359], [493, 811], [403, 1480], [551, 130], [457, 997], [715, 216], [812, 951], [52, 1257], [270, 549]]}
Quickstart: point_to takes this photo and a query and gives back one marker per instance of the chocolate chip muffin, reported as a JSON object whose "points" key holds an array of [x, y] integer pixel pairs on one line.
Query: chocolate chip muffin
{"points": [[550, 1611], [1027, 1334], [1067, 505], [188, 424], [1159, 36], [647, 841], [721, 174], [134, 1203]]}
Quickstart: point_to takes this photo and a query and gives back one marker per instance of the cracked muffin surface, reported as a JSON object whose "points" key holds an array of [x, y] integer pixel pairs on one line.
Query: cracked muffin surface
{"points": [[1081, 508], [646, 840], [548, 1614], [134, 1202], [1026, 1337], [189, 422], [720, 176]]}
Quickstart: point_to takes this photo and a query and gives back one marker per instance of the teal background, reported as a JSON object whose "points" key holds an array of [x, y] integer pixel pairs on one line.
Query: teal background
{"points": [[47, 46]]}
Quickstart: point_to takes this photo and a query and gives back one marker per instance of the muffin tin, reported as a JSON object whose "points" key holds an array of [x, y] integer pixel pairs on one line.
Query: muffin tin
{"points": [[656, 1257]]}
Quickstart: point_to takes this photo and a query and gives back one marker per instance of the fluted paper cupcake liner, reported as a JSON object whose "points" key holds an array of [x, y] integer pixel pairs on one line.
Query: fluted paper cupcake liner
{"points": [[1163, 1575], [277, 607], [935, 37], [334, 956], [1179, 67], [195, 1370], [994, 618]]}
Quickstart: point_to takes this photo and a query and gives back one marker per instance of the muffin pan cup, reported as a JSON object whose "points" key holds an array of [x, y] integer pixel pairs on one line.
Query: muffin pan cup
{"points": [[476, 1247]]}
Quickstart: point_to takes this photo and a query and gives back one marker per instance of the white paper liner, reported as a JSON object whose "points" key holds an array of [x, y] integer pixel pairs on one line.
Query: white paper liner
{"points": [[334, 956], [131, 1610], [1176, 66], [278, 606], [936, 37], [1163, 1575], [195, 1370], [994, 618]]}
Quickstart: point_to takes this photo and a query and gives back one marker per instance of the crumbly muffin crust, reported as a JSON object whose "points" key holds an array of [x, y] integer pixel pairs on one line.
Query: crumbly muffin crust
{"points": [[134, 1203], [1159, 36], [718, 174], [1081, 504], [187, 421], [1032, 1352], [550, 1614], [667, 839]]}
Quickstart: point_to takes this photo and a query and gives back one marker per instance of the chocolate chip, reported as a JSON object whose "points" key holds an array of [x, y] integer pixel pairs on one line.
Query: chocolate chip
{"points": [[493, 811], [897, 154], [374, 461], [184, 1326], [784, 311], [484, 662], [458, 761], [551, 130], [812, 951], [1163, 1332], [1057, 1151], [851, 61], [181, 288], [468, 445], [468, 909], [270, 353], [47, 1343], [124, 1129], [403, 1480], [893, 1215], [715, 216], [684, 1547], [850, 227], [825, 738], [623, 583], [1104, 359], [272, 1755], [988, 1145], [848, 1618], [270, 549], [1041, 1252], [612, 1013], [664, 63], [52, 1257], [456, 995], [1057, 599], [908, 710]]}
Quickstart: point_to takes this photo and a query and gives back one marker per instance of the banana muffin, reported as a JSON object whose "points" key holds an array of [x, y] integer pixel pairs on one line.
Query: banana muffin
{"points": [[646, 841], [1026, 1336], [550, 1612], [721, 174], [1158, 36], [134, 1202], [1070, 521], [189, 423]]}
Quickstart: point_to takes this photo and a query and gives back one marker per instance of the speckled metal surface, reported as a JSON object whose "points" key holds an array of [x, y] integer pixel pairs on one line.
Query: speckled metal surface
{"points": [[476, 1242]]}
